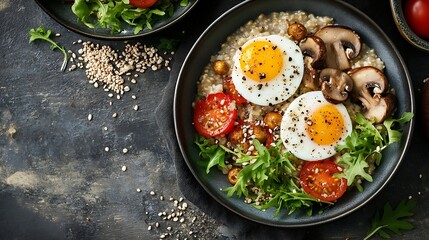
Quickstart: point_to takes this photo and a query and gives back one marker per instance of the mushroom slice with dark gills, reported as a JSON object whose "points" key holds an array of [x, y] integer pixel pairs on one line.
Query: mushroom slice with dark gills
{"points": [[336, 85], [342, 45], [314, 51], [370, 88]]}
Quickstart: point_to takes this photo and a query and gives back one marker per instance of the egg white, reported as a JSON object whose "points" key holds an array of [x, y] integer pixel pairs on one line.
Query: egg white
{"points": [[293, 128], [282, 86]]}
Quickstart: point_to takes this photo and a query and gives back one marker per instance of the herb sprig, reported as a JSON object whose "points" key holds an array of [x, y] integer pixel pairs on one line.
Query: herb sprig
{"points": [[392, 219], [42, 34]]}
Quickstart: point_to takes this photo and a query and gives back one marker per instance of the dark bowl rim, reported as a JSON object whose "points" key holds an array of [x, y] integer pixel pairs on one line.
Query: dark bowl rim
{"points": [[407, 140], [118, 37]]}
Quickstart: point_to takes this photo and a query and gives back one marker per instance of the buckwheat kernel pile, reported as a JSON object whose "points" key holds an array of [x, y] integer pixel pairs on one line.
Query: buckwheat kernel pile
{"points": [[113, 70]]}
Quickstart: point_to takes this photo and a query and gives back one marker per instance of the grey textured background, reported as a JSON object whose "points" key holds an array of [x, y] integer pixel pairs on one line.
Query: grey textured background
{"points": [[57, 182]]}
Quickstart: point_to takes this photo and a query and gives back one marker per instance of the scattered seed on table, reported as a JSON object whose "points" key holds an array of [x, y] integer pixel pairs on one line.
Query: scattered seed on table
{"points": [[105, 128], [57, 34], [149, 228], [89, 117], [114, 115], [124, 168], [136, 107], [152, 193], [138, 190], [133, 97], [106, 149], [161, 198], [125, 150]]}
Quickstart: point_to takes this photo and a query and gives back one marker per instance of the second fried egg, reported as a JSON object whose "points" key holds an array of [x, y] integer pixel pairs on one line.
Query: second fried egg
{"points": [[268, 70], [312, 127]]}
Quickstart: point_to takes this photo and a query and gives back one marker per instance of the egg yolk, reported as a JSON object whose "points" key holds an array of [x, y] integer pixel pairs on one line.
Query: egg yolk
{"points": [[326, 125], [261, 61]]}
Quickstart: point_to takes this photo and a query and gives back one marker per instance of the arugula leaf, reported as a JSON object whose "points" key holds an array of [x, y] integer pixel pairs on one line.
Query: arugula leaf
{"points": [[214, 154], [392, 219], [365, 143], [395, 135], [272, 173], [42, 34]]}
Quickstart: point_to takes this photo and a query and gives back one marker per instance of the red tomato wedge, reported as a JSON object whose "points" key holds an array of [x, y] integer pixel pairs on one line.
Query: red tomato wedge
{"points": [[215, 115], [143, 3], [317, 179], [232, 91]]}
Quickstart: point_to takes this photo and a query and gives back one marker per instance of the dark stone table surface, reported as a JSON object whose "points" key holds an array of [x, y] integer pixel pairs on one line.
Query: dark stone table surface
{"points": [[58, 182]]}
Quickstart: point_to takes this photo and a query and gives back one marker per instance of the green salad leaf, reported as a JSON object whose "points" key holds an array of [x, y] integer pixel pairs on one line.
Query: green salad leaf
{"points": [[270, 171], [364, 146], [113, 13], [392, 219], [41, 34]]}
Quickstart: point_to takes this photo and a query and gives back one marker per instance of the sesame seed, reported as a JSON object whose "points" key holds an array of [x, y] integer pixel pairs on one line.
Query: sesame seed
{"points": [[133, 97], [58, 35], [106, 149], [125, 150], [152, 193], [138, 190], [136, 107], [114, 115], [124, 168], [89, 117], [149, 228]]}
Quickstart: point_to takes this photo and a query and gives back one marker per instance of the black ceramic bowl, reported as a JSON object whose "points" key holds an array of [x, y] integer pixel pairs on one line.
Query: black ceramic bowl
{"points": [[209, 43], [397, 7], [61, 11]]}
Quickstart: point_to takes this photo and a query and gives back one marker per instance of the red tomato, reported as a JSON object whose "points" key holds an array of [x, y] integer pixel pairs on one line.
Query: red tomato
{"points": [[417, 16], [232, 91], [317, 180], [215, 115], [143, 3]]}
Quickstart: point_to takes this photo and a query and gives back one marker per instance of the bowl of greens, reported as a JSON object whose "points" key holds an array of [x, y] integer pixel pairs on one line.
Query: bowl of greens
{"points": [[116, 19]]}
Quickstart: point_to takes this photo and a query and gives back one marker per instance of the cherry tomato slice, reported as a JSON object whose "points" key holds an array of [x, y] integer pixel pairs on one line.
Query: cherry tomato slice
{"points": [[232, 91], [215, 115], [417, 16], [143, 3], [317, 180]]}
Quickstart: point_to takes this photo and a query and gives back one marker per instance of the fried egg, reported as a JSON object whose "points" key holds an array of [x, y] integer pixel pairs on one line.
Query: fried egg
{"points": [[312, 127], [268, 70]]}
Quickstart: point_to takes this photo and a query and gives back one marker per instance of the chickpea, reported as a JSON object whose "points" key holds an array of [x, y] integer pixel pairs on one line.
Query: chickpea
{"points": [[273, 119], [236, 136], [297, 31], [260, 133], [220, 67], [232, 175]]}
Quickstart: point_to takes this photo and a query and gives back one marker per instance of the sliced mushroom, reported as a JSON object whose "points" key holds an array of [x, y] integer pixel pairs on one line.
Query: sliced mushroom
{"points": [[370, 87], [336, 85], [314, 47], [342, 45], [314, 51]]}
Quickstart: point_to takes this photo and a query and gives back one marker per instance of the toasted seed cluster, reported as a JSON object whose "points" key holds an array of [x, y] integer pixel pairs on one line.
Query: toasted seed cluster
{"points": [[179, 220], [115, 70]]}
